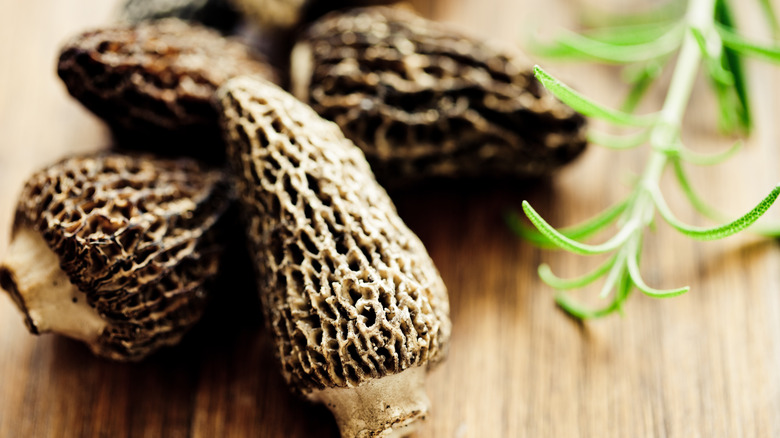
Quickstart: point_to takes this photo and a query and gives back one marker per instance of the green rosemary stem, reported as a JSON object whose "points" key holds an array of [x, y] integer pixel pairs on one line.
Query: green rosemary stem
{"points": [[664, 137], [665, 133]]}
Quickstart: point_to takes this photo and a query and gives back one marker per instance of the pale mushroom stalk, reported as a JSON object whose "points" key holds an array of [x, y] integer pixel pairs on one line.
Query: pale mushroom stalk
{"points": [[390, 407], [287, 14], [31, 274], [116, 250], [356, 306]]}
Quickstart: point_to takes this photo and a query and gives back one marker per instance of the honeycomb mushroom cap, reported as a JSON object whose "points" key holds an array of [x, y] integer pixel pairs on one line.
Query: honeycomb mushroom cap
{"points": [[213, 13], [156, 78], [136, 236], [349, 291], [422, 99]]}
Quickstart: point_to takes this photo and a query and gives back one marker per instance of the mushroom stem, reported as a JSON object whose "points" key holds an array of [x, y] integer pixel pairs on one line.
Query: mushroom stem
{"points": [[31, 274], [388, 407], [302, 63]]}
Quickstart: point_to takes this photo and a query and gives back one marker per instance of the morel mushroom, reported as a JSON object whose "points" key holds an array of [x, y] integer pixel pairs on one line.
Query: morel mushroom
{"points": [[218, 14], [357, 309], [116, 250], [424, 100], [154, 82]]}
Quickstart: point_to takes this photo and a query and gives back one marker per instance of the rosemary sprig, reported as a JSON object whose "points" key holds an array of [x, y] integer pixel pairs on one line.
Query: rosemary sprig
{"points": [[704, 37]]}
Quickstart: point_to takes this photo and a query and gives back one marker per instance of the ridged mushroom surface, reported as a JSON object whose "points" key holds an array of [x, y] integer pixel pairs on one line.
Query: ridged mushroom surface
{"points": [[116, 250], [154, 82], [423, 99], [350, 293]]}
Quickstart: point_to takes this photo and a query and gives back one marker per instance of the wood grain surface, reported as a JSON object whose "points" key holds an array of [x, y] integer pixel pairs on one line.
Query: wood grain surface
{"points": [[703, 364]]}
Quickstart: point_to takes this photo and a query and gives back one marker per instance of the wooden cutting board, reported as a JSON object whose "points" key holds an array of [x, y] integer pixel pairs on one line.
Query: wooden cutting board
{"points": [[703, 364]]}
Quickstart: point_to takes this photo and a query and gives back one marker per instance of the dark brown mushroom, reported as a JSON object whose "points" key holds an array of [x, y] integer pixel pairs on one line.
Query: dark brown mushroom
{"points": [[423, 99], [116, 250], [154, 82]]}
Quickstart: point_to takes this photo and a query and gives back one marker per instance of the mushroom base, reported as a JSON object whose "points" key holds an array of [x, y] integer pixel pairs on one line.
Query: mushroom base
{"points": [[389, 407], [31, 274]]}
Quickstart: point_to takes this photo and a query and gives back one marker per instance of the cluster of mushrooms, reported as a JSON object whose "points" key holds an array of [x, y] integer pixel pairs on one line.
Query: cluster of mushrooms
{"points": [[120, 249]]}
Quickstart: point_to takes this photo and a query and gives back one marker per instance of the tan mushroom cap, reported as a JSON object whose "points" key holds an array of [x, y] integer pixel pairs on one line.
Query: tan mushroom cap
{"points": [[116, 250], [350, 293]]}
